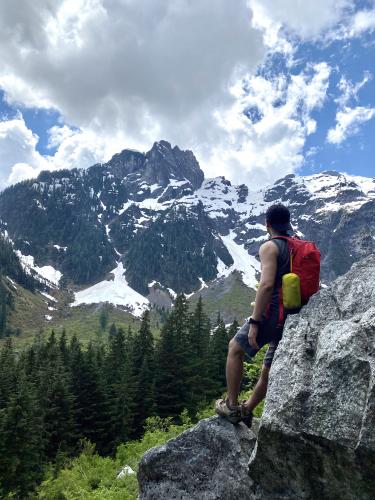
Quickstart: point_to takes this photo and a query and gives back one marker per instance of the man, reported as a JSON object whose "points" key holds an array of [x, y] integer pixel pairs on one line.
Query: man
{"points": [[264, 325]]}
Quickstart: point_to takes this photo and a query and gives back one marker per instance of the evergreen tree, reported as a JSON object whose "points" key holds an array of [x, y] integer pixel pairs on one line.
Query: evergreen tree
{"points": [[119, 388], [173, 367], [57, 402], [143, 374], [112, 330], [91, 403], [233, 329], [8, 381], [103, 318], [199, 338], [20, 438], [218, 354]]}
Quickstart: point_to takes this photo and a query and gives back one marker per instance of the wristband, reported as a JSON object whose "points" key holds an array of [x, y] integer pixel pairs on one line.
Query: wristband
{"points": [[254, 321]]}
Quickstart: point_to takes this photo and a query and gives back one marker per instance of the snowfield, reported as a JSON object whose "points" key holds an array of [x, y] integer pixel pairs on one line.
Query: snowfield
{"points": [[48, 273], [116, 291], [243, 262]]}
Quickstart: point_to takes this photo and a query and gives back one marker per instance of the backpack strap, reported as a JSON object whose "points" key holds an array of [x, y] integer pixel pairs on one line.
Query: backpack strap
{"points": [[285, 238]]}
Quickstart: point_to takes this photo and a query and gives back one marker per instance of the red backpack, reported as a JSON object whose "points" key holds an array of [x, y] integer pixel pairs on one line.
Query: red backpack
{"points": [[305, 262]]}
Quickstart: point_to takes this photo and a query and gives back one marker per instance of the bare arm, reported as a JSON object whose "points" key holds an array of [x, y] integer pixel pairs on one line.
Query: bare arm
{"points": [[268, 254]]}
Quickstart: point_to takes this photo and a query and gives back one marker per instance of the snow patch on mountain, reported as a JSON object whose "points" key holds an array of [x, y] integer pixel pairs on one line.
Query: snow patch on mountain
{"points": [[47, 273], [325, 185], [116, 291], [218, 195], [248, 265], [49, 297]]}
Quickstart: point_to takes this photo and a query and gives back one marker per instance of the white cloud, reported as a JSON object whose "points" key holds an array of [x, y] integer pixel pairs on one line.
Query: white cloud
{"points": [[124, 73], [257, 152], [348, 122], [17, 150], [306, 20], [76, 148], [20, 159], [272, 145], [361, 22], [349, 118], [350, 90], [127, 66]]}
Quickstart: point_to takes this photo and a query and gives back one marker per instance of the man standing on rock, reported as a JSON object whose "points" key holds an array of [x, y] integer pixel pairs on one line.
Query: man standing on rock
{"points": [[265, 326]]}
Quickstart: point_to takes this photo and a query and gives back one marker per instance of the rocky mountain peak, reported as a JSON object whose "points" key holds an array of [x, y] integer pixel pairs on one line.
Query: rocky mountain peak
{"points": [[125, 163], [159, 167], [164, 163]]}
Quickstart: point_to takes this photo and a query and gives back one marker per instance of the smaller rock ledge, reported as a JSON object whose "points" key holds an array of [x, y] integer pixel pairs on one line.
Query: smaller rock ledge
{"points": [[207, 462]]}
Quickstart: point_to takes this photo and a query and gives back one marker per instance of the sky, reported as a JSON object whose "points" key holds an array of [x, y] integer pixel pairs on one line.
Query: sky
{"points": [[257, 89]]}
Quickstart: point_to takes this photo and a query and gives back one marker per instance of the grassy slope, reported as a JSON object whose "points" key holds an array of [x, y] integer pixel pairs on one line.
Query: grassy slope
{"points": [[84, 321], [230, 296]]}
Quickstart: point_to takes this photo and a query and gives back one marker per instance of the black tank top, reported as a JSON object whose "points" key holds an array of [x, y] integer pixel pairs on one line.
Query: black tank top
{"points": [[283, 267]]}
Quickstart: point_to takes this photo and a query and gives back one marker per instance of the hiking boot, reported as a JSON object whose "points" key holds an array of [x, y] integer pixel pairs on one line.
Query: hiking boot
{"points": [[246, 415], [231, 413]]}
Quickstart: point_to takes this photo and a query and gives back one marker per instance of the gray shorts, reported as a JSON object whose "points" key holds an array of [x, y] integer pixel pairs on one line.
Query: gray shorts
{"points": [[268, 333]]}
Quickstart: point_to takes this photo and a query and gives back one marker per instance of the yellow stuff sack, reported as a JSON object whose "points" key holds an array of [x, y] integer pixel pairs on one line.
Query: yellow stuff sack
{"points": [[291, 287]]}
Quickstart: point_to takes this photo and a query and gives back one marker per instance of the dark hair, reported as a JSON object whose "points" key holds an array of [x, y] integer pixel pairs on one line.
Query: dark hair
{"points": [[278, 217]]}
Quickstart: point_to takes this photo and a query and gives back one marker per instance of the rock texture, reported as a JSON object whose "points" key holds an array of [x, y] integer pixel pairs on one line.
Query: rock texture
{"points": [[317, 433], [207, 462]]}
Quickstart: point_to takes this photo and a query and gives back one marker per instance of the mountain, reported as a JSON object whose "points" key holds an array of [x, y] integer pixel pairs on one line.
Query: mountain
{"points": [[145, 226]]}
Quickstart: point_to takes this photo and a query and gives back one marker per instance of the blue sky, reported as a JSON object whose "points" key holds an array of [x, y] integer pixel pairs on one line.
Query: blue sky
{"points": [[256, 88], [356, 154]]}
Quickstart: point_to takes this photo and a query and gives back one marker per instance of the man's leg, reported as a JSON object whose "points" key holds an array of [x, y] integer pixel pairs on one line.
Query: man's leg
{"points": [[234, 371], [260, 390]]}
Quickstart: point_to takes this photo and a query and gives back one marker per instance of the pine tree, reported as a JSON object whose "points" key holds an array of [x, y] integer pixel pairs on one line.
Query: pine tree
{"points": [[103, 318], [143, 374], [199, 338], [57, 402], [8, 381], [90, 400], [218, 355], [173, 367], [20, 438], [119, 388], [112, 330]]}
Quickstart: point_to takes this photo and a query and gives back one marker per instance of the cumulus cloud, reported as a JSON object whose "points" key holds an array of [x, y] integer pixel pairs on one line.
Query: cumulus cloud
{"points": [[306, 20], [20, 159], [17, 150], [348, 122], [138, 67], [361, 22], [267, 141], [124, 73]]}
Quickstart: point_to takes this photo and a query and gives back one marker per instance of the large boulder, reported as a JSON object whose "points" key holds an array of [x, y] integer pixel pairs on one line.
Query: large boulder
{"points": [[317, 433], [207, 462], [316, 439]]}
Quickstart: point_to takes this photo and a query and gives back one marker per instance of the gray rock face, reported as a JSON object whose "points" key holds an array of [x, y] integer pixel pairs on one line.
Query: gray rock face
{"points": [[317, 433], [159, 166], [207, 462]]}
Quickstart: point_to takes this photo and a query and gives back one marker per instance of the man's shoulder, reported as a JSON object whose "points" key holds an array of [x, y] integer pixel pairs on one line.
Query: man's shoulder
{"points": [[269, 247]]}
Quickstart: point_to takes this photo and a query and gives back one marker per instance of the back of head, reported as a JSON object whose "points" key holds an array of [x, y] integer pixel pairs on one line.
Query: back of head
{"points": [[278, 217]]}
